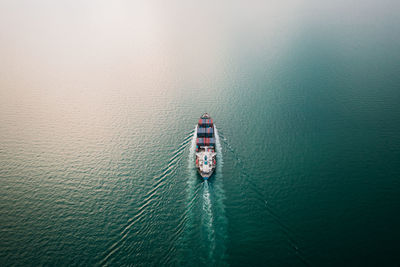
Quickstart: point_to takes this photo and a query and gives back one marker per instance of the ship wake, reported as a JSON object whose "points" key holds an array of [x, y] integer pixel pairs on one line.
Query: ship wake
{"points": [[206, 226]]}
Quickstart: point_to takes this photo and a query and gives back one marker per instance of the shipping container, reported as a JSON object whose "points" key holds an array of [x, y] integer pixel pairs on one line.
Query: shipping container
{"points": [[205, 132], [207, 141], [209, 132], [200, 141], [212, 141], [205, 123], [201, 131]]}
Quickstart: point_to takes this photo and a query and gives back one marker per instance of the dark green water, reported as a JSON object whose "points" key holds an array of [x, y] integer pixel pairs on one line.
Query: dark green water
{"points": [[98, 104]]}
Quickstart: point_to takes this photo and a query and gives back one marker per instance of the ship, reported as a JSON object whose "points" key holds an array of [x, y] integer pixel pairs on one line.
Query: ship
{"points": [[206, 157]]}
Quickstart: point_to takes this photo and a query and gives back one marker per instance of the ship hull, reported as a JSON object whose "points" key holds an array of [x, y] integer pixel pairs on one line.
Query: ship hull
{"points": [[205, 147]]}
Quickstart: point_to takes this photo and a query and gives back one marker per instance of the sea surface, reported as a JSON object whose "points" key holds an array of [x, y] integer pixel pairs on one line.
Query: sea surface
{"points": [[98, 106]]}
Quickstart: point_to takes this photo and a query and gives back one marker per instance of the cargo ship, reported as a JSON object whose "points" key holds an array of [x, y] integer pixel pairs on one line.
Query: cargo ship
{"points": [[205, 147]]}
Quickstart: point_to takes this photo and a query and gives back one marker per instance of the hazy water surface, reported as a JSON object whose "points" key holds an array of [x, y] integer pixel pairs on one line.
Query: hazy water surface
{"points": [[98, 105]]}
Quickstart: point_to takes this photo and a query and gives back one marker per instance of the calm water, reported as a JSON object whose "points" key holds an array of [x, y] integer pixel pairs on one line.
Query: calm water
{"points": [[98, 106]]}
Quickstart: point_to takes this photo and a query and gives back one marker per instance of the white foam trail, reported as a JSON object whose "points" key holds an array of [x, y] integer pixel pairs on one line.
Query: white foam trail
{"points": [[208, 220], [218, 195], [191, 182], [192, 149], [219, 150]]}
